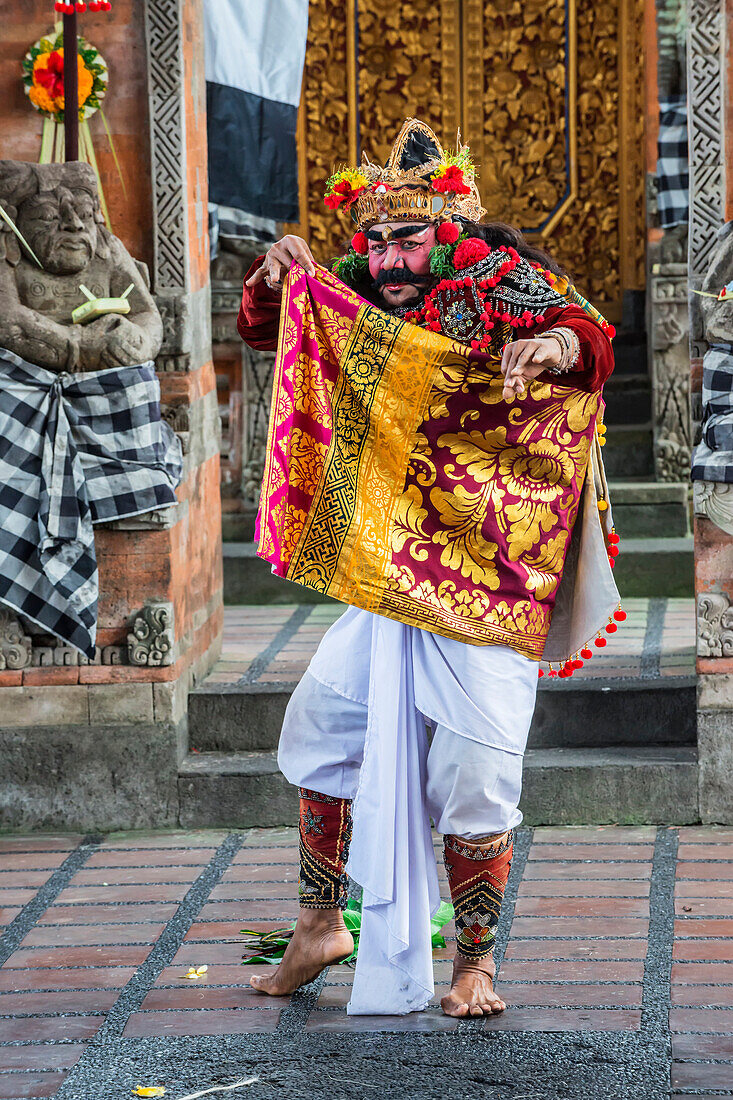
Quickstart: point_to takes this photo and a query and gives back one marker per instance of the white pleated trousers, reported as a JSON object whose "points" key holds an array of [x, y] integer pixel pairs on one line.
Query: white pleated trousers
{"points": [[355, 728]]}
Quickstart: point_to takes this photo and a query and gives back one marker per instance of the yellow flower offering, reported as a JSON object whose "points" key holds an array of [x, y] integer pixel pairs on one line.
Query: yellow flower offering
{"points": [[195, 972]]}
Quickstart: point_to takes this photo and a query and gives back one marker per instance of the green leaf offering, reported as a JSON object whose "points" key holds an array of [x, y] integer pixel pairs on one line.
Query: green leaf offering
{"points": [[269, 947]]}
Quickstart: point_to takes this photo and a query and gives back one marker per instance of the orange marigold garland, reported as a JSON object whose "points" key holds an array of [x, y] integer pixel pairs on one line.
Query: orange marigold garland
{"points": [[43, 77]]}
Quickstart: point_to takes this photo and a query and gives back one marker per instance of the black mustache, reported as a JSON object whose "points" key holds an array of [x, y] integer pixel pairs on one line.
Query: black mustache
{"points": [[401, 275]]}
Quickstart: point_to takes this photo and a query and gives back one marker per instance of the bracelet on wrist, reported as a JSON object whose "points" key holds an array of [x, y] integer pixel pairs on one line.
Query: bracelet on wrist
{"points": [[569, 349]]}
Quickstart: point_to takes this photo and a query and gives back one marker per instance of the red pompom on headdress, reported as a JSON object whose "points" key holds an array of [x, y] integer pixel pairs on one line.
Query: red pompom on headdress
{"points": [[360, 244], [447, 233], [469, 252], [450, 178]]}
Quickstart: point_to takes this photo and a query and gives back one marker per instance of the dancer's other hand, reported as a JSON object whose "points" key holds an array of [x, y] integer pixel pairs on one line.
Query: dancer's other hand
{"points": [[523, 360]]}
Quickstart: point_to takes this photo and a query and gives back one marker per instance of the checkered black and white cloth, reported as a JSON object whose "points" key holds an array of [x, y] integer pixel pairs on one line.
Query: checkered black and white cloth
{"points": [[673, 170], [75, 449], [712, 459]]}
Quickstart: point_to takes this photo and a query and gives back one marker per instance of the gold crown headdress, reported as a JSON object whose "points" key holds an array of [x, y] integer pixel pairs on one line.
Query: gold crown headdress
{"points": [[419, 182]]}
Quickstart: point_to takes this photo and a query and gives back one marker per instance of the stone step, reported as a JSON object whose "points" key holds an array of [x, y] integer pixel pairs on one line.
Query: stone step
{"points": [[570, 713], [656, 567], [589, 786], [649, 509], [625, 786], [628, 399], [239, 790], [631, 354], [629, 451], [238, 526], [645, 567], [249, 580]]}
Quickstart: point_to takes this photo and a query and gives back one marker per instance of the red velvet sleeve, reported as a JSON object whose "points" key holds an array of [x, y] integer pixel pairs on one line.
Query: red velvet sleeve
{"points": [[596, 354], [259, 314]]}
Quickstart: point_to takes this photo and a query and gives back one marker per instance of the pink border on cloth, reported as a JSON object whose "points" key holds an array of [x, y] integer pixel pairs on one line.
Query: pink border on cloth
{"points": [[302, 298]]}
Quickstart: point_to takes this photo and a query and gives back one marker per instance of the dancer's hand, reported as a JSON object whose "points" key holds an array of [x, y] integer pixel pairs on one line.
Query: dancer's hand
{"points": [[523, 360], [280, 258]]}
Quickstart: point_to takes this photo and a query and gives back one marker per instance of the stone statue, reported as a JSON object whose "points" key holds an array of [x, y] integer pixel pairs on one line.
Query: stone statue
{"points": [[55, 208]]}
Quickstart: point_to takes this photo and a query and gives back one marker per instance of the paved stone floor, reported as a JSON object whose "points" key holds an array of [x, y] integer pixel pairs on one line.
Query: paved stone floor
{"points": [[273, 645], [616, 952]]}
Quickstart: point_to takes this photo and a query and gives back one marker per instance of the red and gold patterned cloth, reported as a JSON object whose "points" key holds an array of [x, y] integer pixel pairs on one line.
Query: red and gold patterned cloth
{"points": [[399, 480]]}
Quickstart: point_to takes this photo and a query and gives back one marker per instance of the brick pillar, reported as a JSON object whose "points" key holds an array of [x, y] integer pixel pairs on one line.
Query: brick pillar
{"points": [[97, 745]]}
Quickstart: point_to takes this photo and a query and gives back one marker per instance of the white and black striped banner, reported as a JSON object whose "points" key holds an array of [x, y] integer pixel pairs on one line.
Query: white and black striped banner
{"points": [[255, 51]]}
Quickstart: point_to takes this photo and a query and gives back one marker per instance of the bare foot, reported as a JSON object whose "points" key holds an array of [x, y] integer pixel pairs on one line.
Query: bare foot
{"points": [[320, 938], [472, 989]]}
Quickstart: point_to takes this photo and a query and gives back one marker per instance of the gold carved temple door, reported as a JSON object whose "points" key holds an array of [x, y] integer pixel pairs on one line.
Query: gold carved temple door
{"points": [[548, 93]]}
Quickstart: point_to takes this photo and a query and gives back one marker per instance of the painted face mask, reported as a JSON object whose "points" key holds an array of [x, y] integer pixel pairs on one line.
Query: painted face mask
{"points": [[399, 260]]}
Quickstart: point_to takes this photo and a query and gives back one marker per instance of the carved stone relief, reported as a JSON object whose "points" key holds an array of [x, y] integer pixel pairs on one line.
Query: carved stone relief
{"points": [[257, 368], [670, 370], [705, 98], [152, 639], [15, 644], [714, 499], [714, 625], [54, 656], [164, 33], [24, 645]]}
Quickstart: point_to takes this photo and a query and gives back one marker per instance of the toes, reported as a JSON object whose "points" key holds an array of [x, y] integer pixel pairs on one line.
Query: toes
{"points": [[259, 982], [476, 1010], [452, 1009]]}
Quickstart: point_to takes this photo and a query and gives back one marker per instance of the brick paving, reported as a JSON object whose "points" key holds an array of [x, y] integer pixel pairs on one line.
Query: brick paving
{"points": [[101, 955], [273, 645], [96, 949]]}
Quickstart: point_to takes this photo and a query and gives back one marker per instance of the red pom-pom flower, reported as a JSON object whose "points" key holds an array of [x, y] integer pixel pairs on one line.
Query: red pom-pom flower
{"points": [[344, 187], [450, 179], [447, 233], [469, 252], [359, 243]]}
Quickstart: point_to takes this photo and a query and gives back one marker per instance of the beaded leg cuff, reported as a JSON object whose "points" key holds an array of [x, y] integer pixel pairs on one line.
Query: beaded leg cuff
{"points": [[325, 832], [477, 872]]}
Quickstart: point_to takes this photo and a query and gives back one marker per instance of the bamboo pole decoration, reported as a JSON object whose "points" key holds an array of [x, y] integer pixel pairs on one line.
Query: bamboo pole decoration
{"points": [[71, 88], [69, 10]]}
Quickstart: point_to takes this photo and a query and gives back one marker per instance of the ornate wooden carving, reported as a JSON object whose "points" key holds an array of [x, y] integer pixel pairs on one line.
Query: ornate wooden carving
{"points": [[548, 93]]}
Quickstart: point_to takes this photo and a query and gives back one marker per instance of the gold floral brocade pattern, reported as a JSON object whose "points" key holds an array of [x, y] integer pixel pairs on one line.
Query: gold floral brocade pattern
{"points": [[495, 505]]}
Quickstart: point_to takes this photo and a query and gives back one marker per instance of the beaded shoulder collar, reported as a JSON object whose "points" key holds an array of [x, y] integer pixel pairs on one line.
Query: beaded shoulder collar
{"points": [[496, 291]]}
